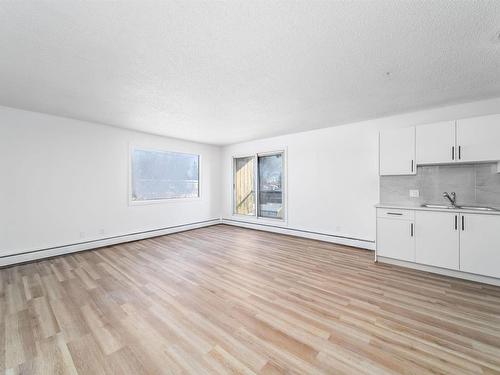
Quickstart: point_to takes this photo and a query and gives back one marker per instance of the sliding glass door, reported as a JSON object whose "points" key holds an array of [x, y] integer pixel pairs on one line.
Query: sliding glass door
{"points": [[258, 185], [244, 186], [270, 200]]}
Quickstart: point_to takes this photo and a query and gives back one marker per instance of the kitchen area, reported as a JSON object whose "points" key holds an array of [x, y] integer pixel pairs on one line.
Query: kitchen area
{"points": [[439, 208]]}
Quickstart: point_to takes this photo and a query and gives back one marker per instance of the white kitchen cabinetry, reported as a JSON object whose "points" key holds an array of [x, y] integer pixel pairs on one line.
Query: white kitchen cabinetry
{"points": [[480, 244], [462, 242], [435, 143], [478, 139], [471, 140], [395, 234], [437, 239], [397, 152]]}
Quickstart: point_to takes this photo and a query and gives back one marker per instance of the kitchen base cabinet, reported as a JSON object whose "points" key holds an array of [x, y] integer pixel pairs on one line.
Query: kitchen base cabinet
{"points": [[437, 239], [395, 239], [480, 244], [458, 243]]}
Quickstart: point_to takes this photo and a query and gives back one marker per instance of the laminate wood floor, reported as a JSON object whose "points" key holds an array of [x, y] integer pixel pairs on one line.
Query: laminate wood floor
{"points": [[231, 300]]}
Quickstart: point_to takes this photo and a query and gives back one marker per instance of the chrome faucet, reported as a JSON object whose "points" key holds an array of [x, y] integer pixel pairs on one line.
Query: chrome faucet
{"points": [[452, 197]]}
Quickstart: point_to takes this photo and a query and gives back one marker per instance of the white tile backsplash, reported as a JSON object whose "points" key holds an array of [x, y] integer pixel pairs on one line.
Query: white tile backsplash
{"points": [[474, 184]]}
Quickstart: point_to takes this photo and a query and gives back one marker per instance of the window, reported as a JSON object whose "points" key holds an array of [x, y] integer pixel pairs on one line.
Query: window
{"points": [[271, 186], [264, 198], [160, 175], [244, 183]]}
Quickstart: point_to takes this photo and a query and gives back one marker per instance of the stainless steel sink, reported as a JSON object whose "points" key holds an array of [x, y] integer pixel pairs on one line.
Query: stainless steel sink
{"points": [[438, 206], [478, 208], [472, 208]]}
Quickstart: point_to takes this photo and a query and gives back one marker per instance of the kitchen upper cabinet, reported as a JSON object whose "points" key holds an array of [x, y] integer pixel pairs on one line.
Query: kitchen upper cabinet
{"points": [[470, 140], [437, 239], [395, 239], [397, 152], [478, 139], [480, 244], [435, 143]]}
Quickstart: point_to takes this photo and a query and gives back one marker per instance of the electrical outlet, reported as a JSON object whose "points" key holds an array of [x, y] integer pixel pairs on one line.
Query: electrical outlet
{"points": [[414, 193], [82, 234]]}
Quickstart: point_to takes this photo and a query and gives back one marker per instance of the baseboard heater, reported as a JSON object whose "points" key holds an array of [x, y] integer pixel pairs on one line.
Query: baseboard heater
{"points": [[341, 240], [26, 256]]}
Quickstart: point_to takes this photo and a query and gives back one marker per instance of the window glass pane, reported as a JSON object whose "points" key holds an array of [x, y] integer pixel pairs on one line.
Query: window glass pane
{"points": [[164, 175], [244, 194], [271, 186]]}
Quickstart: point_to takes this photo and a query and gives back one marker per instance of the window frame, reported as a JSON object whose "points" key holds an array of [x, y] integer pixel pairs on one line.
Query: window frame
{"points": [[256, 217], [132, 202]]}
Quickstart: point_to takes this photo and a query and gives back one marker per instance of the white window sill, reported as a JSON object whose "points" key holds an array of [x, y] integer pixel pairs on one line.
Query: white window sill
{"points": [[162, 201]]}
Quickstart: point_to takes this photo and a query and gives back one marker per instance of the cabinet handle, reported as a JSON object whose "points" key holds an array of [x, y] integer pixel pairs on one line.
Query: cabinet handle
{"points": [[411, 229], [412, 166], [459, 152], [452, 152], [395, 213], [463, 222], [456, 222]]}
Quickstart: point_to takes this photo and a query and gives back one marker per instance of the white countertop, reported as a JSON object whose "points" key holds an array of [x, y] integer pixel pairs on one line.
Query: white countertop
{"points": [[420, 208]]}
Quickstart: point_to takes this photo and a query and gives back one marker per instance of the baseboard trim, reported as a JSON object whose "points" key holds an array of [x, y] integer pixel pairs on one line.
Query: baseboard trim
{"points": [[341, 240], [27, 256], [441, 271]]}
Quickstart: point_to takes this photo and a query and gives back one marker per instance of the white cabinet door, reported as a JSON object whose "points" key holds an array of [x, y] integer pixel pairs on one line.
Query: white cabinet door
{"points": [[436, 143], [480, 244], [437, 239], [397, 152], [395, 239], [478, 138]]}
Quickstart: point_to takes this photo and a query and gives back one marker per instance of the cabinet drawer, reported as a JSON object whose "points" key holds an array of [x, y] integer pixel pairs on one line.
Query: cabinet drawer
{"points": [[391, 213]]}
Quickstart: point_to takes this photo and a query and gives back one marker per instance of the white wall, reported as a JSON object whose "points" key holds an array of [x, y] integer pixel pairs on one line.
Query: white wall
{"points": [[333, 181], [65, 181], [60, 178]]}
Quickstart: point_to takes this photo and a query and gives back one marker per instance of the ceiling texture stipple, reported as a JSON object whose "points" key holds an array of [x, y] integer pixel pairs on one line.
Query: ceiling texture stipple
{"points": [[225, 72]]}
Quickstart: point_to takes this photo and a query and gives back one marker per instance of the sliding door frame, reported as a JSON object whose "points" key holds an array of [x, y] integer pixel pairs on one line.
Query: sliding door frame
{"points": [[233, 167], [284, 198]]}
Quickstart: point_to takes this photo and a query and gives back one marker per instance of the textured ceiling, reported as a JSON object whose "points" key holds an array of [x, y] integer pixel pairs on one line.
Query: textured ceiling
{"points": [[223, 72]]}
